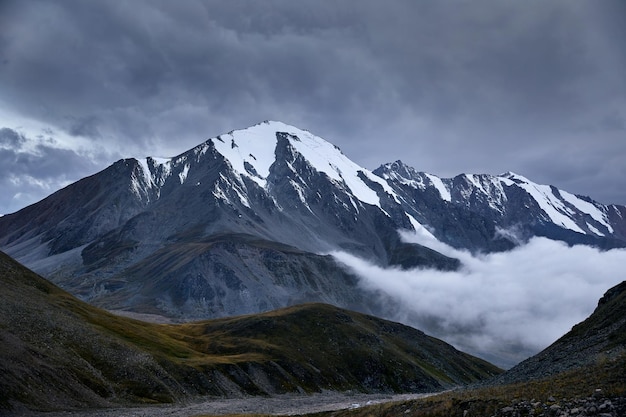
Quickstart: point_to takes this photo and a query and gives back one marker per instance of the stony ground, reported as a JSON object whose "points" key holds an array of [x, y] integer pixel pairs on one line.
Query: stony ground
{"points": [[291, 404], [595, 405]]}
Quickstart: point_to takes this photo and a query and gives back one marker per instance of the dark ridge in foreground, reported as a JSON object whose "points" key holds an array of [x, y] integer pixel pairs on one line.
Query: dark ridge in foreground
{"points": [[58, 353], [599, 338]]}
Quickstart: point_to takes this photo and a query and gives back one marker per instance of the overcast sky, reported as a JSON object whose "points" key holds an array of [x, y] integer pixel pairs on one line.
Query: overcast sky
{"points": [[534, 87]]}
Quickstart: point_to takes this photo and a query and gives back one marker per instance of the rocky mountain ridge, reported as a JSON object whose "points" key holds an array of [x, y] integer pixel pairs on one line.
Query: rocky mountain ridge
{"points": [[487, 213]]}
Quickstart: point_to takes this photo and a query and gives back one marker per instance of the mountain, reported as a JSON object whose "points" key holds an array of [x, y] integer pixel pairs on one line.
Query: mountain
{"points": [[235, 225], [243, 223], [485, 213], [59, 353]]}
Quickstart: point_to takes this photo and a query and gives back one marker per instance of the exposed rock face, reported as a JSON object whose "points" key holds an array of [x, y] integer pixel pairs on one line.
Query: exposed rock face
{"points": [[224, 274]]}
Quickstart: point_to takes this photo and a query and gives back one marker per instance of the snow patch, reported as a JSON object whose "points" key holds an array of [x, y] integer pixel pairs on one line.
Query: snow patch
{"points": [[242, 197], [220, 194], [594, 230], [476, 182], [164, 170], [550, 204], [440, 186], [201, 150], [145, 168], [137, 188], [254, 146], [491, 187], [182, 176], [555, 207], [300, 191], [419, 229], [326, 158], [587, 208]]}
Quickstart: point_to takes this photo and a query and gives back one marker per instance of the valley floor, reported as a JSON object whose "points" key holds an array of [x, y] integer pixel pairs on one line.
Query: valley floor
{"points": [[288, 404]]}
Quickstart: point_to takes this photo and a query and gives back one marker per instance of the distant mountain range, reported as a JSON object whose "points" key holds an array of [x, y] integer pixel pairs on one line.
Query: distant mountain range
{"points": [[242, 222]]}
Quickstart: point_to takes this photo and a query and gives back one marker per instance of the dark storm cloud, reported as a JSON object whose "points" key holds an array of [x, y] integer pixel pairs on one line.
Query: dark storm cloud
{"points": [[86, 126], [10, 138], [449, 87]]}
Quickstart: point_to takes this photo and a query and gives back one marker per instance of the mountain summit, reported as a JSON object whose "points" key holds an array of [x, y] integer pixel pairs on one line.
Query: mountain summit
{"points": [[242, 222]]}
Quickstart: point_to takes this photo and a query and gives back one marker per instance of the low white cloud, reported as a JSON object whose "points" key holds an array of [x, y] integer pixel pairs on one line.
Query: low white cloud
{"points": [[503, 307]]}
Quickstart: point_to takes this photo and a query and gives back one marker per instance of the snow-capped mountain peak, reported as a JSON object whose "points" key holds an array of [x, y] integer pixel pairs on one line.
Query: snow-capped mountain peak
{"points": [[400, 172], [286, 165], [251, 152], [514, 177], [237, 222]]}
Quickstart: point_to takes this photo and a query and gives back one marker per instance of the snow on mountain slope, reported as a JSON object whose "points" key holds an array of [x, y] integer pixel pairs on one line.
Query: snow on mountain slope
{"points": [[254, 147], [562, 207], [398, 172], [440, 186], [559, 213], [251, 153], [597, 213]]}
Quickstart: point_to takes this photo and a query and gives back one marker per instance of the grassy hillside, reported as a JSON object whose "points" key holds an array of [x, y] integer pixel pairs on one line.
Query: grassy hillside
{"points": [[57, 352], [551, 396], [582, 373]]}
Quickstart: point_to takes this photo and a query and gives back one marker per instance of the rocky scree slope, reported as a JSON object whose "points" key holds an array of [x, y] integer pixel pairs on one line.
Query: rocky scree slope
{"points": [[59, 353]]}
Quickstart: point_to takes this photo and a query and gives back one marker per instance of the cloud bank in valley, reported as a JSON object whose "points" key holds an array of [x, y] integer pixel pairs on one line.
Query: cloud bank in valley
{"points": [[503, 307]]}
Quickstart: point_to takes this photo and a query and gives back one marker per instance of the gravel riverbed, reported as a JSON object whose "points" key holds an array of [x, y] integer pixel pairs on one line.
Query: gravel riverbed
{"points": [[288, 404]]}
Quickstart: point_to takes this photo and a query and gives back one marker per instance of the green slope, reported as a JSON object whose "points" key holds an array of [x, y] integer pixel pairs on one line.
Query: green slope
{"points": [[577, 375], [57, 352]]}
